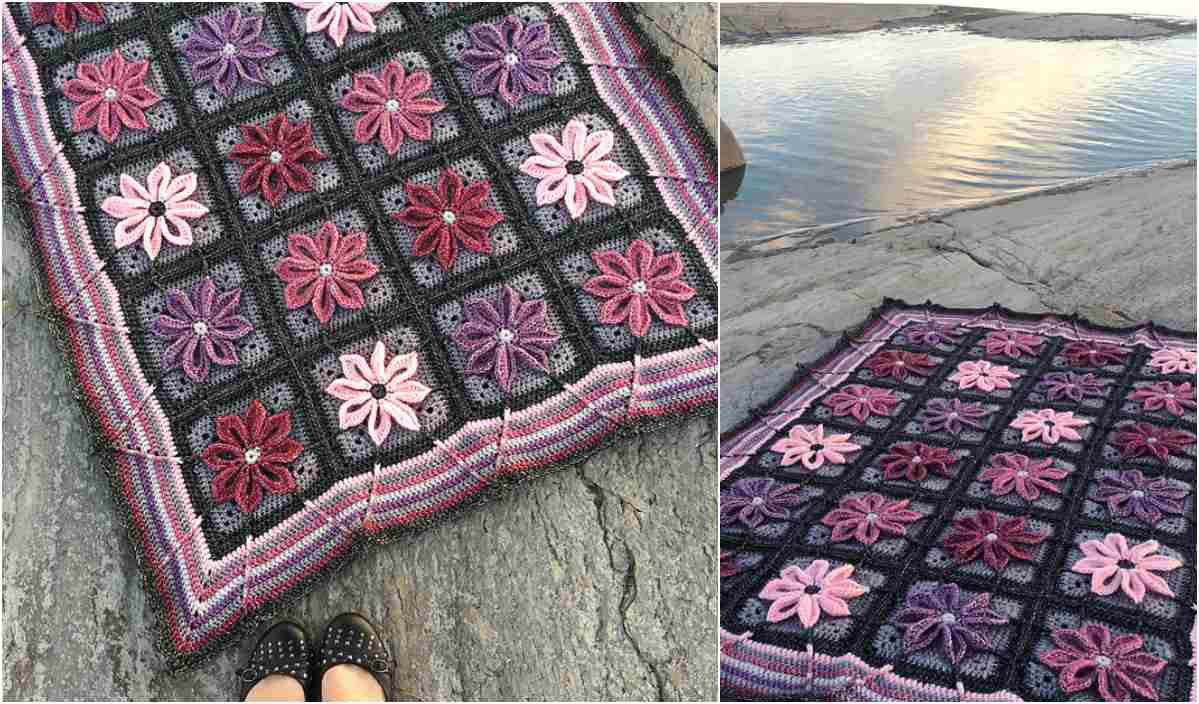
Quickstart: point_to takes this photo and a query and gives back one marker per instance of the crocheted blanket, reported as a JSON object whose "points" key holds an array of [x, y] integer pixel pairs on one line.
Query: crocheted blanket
{"points": [[327, 272], [966, 504]]}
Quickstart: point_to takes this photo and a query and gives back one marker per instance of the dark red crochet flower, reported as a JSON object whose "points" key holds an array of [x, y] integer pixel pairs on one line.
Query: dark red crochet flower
{"points": [[861, 401], [1090, 655], [65, 14], [914, 460], [453, 214], [1140, 439], [898, 365], [1093, 354], [274, 158], [997, 541], [325, 271], [251, 457]]}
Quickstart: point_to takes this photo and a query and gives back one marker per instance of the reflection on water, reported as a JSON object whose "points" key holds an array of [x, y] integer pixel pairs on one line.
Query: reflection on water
{"points": [[837, 128]]}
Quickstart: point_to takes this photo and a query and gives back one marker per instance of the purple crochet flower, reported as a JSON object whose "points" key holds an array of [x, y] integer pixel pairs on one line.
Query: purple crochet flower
{"points": [[505, 335], [511, 59], [939, 613], [754, 499], [1075, 387], [950, 415], [202, 327], [227, 50], [1129, 492], [931, 334]]}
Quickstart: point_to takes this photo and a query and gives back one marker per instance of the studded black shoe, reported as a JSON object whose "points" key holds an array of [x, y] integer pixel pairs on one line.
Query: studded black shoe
{"points": [[282, 650], [350, 639]]}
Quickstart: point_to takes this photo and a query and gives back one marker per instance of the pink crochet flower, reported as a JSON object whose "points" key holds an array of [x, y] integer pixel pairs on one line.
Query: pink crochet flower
{"points": [[154, 213], [861, 401], [64, 15], [1048, 425], [983, 375], [1113, 565], [1091, 655], [1175, 398], [637, 284], [393, 105], [1012, 343], [379, 392], [336, 18], [867, 517], [810, 591], [111, 95], [809, 444], [575, 168], [1027, 476], [1173, 361], [325, 271]]}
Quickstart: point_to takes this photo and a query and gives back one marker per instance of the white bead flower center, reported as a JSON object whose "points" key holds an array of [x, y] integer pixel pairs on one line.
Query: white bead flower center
{"points": [[917, 459], [505, 335], [511, 58], [1137, 494], [230, 49], [1103, 660], [326, 269], [638, 287], [872, 517], [758, 501], [448, 217], [948, 618], [391, 105], [200, 328], [253, 455], [991, 537], [276, 156], [1022, 474], [110, 93]]}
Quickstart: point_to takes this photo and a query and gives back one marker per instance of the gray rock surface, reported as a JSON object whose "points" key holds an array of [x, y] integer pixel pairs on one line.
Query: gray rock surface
{"points": [[596, 582], [1033, 26], [1118, 249]]}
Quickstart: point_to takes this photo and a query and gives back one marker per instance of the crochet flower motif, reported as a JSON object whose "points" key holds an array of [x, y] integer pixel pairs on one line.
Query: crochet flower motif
{"points": [[1011, 470], [914, 460], [1140, 439], [201, 328], [1011, 343], [227, 51], [64, 15], [638, 285], [728, 564], [939, 614], [274, 158], [1048, 426], [1130, 492], [251, 457], [574, 169], [1114, 565], [861, 401], [156, 212], [931, 333], [506, 335], [1173, 361], [897, 364], [452, 215], [325, 271], [865, 518], [394, 106], [810, 592], [996, 541], [378, 393], [511, 59], [1175, 398], [1093, 354], [1076, 387], [1090, 654], [951, 415], [754, 499], [336, 18], [809, 444], [111, 96], [983, 375]]}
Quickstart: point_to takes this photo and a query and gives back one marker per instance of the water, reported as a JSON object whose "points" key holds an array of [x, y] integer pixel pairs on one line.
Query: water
{"points": [[884, 123]]}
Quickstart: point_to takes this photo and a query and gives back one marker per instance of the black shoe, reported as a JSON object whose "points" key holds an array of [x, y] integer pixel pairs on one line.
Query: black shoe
{"points": [[282, 650], [350, 639]]}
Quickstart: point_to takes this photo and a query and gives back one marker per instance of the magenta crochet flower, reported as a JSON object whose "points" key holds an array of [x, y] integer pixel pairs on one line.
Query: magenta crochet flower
{"points": [[983, 375], [201, 328], [914, 460], [1048, 426], [378, 393], [452, 215], [865, 518], [575, 169], [993, 539], [931, 333], [1130, 493], [1090, 655], [1093, 354], [325, 272], [1012, 343], [728, 564], [1115, 565], [897, 364], [251, 457], [394, 105], [1140, 439], [157, 212], [227, 51], [64, 15], [336, 18], [1175, 398], [939, 614], [811, 591], [809, 444], [505, 336], [861, 401], [951, 415], [755, 499], [1076, 387], [510, 59], [1173, 361], [639, 285], [111, 96], [1011, 470], [274, 158]]}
